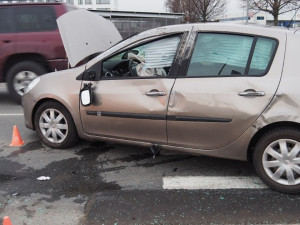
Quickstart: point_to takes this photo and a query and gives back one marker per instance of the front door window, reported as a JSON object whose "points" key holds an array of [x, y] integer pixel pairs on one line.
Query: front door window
{"points": [[152, 59]]}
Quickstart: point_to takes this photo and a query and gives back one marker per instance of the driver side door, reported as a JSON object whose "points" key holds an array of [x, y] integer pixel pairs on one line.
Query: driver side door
{"points": [[131, 98]]}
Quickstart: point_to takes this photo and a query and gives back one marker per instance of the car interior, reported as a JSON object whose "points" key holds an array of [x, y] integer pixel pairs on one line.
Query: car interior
{"points": [[148, 60]]}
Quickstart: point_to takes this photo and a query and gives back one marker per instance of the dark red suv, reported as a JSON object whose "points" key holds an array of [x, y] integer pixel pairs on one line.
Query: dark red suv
{"points": [[30, 43]]}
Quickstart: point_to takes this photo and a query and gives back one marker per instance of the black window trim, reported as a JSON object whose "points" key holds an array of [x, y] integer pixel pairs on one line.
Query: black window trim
{"points": [[250, 56], [186, 64]]}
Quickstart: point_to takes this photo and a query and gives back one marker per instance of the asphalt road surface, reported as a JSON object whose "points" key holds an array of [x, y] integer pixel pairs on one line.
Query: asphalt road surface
{"points": [[103, 183]]}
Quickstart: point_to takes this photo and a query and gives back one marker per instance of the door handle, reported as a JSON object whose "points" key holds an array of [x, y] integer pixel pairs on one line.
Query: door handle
{"points": [[252, 92], [6, 41], [155, 92]]}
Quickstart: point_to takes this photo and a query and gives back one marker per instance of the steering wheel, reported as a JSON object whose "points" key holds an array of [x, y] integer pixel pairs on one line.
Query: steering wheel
{"points": [[131, 65]]}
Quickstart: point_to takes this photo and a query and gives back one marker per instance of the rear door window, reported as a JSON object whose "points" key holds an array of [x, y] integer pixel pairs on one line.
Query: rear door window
{"points": [[263, 53], [217, 54], [33, 19], [220, 55]]}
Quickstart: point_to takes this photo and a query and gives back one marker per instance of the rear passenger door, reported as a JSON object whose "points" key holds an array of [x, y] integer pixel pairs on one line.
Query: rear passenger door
{"points": [[229, 82]]}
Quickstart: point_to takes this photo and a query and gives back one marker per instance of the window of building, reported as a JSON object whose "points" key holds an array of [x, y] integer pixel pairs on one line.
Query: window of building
{"points": [[88, 2], [102, 1], [260, 18], [220, 55], [80, 2]]}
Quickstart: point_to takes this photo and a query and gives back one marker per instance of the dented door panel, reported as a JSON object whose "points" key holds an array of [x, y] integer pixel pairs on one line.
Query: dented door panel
{"points": [[211, 112]]}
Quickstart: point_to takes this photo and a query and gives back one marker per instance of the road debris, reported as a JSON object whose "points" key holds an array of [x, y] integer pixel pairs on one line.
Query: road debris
{"points": [[42, 178]]}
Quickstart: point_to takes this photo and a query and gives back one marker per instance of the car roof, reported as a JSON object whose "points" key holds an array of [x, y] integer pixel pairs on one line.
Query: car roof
{"points": [[227, 27], [265, 31], [268, 31]]}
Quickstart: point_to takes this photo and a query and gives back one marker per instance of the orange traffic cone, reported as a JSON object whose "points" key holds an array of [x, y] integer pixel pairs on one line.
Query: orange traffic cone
{"points": [[16, 138], [6, 221]]}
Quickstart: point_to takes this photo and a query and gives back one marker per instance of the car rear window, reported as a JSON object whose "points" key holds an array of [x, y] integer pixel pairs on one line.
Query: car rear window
{"points": [[32, 19]]}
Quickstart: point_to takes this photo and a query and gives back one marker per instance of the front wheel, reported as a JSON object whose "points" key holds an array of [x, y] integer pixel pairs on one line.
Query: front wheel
{"points": [[276, 159], [55, 125]]}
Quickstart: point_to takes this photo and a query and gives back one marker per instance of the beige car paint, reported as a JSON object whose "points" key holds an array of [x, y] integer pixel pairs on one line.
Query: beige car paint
{"points": [[285, 106], [227, 141], [60, 86], [218, 97], [128, 96]]}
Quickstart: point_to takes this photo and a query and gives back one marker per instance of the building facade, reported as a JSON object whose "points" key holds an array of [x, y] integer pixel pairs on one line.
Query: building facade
{"points": [[130, 23], [291, 19], [86, 4], [95, 4]]}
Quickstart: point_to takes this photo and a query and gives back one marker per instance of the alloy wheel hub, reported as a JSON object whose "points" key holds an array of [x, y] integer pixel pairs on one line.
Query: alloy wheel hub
{"points": [[281, 161]]}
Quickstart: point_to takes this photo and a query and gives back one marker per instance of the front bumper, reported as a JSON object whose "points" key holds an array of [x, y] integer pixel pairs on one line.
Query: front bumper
{"points": [[28, 104]]}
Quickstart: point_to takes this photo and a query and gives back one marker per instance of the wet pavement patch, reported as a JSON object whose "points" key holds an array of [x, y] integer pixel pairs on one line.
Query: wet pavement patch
{"points": [[136, 157], [4, 178], [165, 160], [95, 149], [31, 146], [69, 177]]}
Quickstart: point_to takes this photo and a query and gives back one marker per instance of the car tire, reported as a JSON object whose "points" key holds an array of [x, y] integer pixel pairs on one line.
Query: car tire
{"points": [[55, 126], [20, 75], [276, 159]]}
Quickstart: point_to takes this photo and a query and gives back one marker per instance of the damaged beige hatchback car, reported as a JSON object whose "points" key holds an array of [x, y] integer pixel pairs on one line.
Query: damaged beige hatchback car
{"points": [[220, 90]]}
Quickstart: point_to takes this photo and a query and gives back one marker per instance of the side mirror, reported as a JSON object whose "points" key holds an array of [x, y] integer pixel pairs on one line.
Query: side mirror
{"points": [[86, 95]]}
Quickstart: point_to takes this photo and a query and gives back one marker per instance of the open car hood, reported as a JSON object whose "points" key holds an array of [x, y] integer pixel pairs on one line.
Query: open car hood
{"points": [[85, 33]]}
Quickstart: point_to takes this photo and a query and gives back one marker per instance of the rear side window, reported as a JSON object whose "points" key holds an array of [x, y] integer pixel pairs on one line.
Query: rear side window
{"points": [[230, 55], [5, 23], [263, 53], [32, 19]]}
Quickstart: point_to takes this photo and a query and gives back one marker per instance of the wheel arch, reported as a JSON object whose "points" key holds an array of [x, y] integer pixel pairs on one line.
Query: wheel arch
{"points": [[264, 130], [40, 102], [65, 140]]}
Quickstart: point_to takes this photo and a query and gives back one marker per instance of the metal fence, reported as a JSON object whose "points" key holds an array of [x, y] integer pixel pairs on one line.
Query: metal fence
{"points": [[129, 26]]}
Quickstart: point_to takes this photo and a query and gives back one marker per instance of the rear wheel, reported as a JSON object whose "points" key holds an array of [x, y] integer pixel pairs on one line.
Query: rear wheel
{"points": [[55, 125], [20, 75], [276, 159]]}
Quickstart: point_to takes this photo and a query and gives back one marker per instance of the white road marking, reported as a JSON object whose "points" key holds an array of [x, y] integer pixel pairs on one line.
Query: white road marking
{"points": [[212, 182], [12, 114]]}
